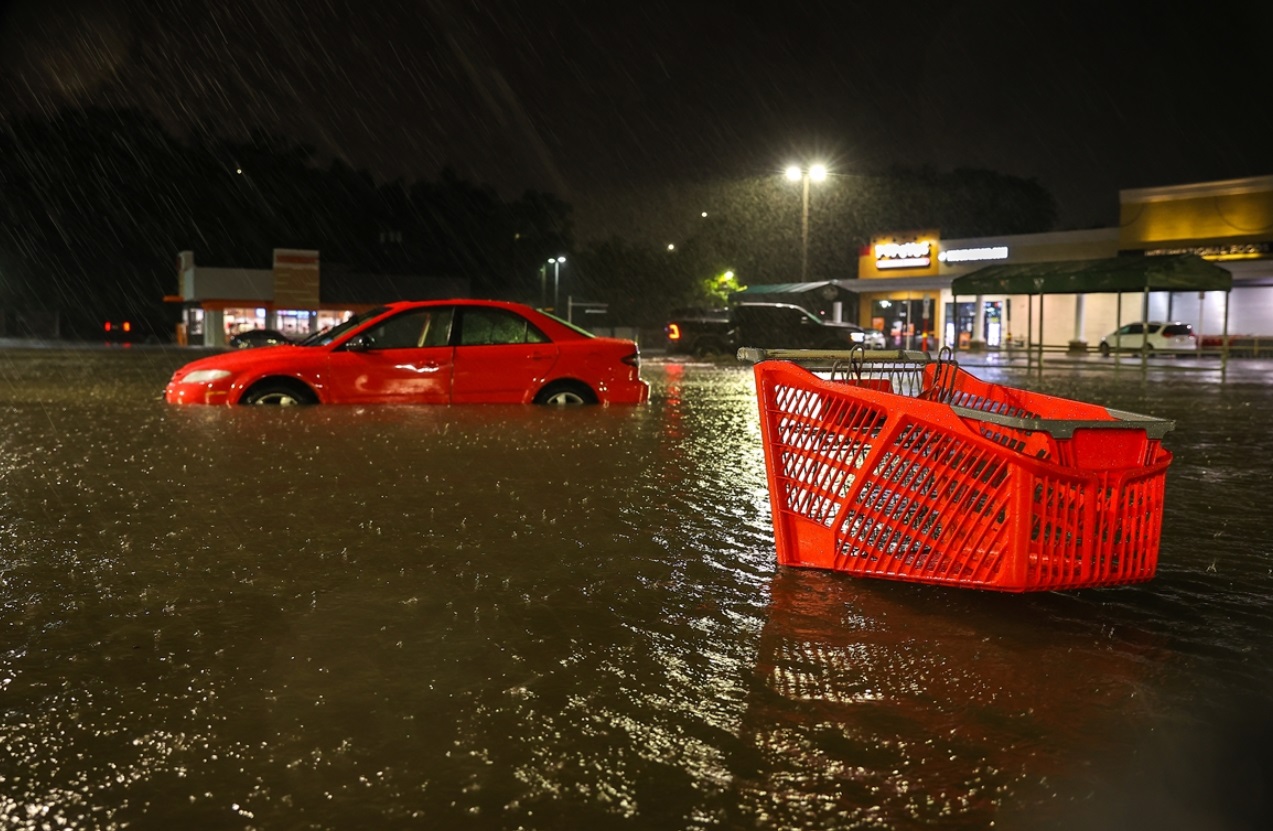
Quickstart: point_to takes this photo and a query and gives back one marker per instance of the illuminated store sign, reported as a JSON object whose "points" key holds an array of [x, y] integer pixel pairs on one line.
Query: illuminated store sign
{"points": [[1238, 251], [903, 254], [971, 255]]}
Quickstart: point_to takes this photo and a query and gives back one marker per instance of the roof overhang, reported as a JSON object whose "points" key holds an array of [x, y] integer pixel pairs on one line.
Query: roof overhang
{"points": [[786, 288], [884, 285], [1184, 272]]}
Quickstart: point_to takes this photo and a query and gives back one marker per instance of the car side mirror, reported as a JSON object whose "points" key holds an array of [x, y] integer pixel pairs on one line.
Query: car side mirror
{"points": [[359, 343]]}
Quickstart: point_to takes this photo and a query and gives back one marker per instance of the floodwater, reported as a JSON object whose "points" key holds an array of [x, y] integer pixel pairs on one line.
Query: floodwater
{"points": [[506, 617]]}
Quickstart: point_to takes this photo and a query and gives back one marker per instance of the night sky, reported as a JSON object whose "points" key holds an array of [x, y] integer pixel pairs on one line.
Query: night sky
{"points": [[590, 99]]}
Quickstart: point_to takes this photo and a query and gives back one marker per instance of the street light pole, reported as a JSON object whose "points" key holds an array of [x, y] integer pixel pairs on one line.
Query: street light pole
{"points": [[556, 261], [804, 232], [816, 173]]}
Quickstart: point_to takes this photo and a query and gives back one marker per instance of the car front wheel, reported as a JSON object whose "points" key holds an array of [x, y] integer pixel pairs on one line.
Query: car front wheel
{"points": [[278, 394], [565, 394]]}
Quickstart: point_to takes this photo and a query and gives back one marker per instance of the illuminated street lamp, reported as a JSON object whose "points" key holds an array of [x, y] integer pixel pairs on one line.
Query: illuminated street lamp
{"points": [[556, 263], [795, 173]]}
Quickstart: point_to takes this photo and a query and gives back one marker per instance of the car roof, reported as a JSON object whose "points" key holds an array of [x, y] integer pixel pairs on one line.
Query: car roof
{"points": [[451, 301]]}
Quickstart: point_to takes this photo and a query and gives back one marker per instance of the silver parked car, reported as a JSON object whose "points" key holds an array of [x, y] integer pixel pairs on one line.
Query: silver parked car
{"points": [[1154, 336]]}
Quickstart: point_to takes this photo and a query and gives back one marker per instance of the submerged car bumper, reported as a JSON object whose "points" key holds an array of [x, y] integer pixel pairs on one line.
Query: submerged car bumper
{"points": [[195, 394], [625, 392]]}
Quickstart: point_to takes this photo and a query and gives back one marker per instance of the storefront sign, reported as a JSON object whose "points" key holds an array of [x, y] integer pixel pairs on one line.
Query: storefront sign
{"points": [[903, 254], [971, 255], [295, 279], [1237, 251]]}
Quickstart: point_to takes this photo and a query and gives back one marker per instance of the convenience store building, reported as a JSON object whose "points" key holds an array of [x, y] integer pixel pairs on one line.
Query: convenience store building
{"points": [[296, 296], [904, 278]]}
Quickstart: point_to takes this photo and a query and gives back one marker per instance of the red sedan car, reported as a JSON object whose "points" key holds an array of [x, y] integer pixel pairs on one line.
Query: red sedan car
{"points": [[425, 352]]}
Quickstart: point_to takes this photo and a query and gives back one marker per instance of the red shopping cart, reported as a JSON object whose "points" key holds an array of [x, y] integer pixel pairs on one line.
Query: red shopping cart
{"points": [[901, 466]]}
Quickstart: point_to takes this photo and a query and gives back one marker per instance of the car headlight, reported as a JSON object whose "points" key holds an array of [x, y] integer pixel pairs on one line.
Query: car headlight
{"points": [[205, 376], [857, 337]]}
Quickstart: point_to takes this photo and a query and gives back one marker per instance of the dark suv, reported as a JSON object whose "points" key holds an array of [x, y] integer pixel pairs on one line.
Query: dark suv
{"points": [[767, 325]]}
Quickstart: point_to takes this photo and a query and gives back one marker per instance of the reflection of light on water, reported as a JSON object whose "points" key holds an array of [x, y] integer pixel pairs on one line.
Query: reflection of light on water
{"points": [[508, 617]]}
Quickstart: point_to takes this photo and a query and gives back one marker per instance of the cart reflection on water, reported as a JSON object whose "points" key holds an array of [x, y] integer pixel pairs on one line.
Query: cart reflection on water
{"points": [[889, 704]]}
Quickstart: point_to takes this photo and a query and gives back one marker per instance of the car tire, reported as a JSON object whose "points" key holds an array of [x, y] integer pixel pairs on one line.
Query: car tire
{"points": [[1104, 349], [707, 347], [279, 394], [565, 394]]}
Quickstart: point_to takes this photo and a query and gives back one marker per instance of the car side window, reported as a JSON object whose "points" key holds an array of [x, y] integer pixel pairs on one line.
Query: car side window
{"points": [[413, 329], [1131, 329], [437, 330], [484, 327]]}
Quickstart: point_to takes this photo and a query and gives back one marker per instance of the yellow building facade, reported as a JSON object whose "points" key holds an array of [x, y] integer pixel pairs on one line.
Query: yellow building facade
{"points": [[904, 276]]}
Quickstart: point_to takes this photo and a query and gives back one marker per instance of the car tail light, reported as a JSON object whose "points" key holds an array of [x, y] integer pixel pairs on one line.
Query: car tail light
{"points": [[128, 327], [106, 326], [673, 331], [632, 359]]}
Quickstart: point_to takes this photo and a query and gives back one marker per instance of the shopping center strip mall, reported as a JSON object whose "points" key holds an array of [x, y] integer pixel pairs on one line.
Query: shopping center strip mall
{"points": [[1200, 254]]}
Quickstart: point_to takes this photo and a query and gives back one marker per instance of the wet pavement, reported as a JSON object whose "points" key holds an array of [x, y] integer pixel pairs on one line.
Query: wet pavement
{"points": [[513, 617]]}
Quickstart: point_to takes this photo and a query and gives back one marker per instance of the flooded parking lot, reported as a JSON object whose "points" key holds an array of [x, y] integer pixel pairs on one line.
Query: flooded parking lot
{"points": [[516, 617]]}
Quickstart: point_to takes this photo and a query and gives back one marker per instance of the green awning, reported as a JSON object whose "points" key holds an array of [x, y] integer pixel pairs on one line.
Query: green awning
{"points": [[1182, 272]]}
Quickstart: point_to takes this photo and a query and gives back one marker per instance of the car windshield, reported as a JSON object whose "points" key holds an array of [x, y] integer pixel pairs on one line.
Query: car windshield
{"points": [[330, 334], [1176, 329]]}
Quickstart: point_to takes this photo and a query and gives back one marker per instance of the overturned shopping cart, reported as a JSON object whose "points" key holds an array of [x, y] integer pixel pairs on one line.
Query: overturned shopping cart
{"points": [[897, 465]]}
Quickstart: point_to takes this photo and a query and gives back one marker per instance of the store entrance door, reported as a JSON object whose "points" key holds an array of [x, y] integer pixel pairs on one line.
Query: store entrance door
{"points": [[907, 324]]}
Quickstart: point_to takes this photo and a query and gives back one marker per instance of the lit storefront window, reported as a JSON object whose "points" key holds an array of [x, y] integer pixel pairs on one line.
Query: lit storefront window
{"points": [[241, 320], [961, 326], [907, 324]]}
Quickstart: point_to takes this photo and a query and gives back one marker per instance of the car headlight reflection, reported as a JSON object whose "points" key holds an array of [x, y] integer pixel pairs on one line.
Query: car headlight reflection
{"points": [[205, 376]]}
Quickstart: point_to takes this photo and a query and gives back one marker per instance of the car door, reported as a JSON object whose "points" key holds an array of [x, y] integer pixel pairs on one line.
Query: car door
{"points": [[770, 327], [406, 359], [500, 357], [1130, 336]]}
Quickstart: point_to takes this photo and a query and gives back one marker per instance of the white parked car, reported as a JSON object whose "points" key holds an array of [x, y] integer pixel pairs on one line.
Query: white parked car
{"points": [[1155, 336]]}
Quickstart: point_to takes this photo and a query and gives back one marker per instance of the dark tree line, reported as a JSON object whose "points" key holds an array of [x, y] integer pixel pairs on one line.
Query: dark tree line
{"points": [[95, 203]]}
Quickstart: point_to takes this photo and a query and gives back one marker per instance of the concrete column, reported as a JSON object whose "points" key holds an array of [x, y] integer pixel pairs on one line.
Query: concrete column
{"points": [[978, 341], [1078, 344], [214, 327]]}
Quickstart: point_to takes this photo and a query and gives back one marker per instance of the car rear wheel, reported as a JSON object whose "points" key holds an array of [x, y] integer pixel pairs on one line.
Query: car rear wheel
{"points": [[706, 347], [565, 394], [279, 394], [1104, 349]]}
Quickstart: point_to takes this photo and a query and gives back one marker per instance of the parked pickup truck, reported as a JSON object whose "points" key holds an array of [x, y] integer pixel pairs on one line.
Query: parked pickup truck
{"points": [[704, 332]]}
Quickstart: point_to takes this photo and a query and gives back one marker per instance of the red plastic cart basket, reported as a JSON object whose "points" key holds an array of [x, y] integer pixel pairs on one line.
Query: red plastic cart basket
{"points": [[894, 465]]}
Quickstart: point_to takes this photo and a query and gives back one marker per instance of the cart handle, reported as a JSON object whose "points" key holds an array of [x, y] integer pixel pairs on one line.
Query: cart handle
{"points": [[827, 359], [1063, 428]]}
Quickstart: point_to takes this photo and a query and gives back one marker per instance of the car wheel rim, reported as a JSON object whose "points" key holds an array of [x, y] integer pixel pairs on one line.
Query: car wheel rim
{"points": [[277, 399], [565, 398]]}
